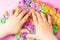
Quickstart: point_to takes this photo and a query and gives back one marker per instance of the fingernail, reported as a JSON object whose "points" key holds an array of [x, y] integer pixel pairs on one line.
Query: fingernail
{"points": [[16, 8], [26, 10], [32, 11]]}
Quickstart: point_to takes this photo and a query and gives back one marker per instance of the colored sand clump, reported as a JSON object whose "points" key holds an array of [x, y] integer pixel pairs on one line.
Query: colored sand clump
{"points": [[32, 6], [3, 20], [17, 35], [43, 9], [54, 28], [58, 28], [58, 35]]}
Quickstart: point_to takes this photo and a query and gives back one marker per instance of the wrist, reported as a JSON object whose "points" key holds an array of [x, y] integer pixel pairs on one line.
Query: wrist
{"points": [[6, 30], [49, 37], [3, 31]]}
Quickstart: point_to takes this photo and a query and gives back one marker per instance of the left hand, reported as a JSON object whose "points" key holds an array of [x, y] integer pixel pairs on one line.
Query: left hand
{"points": [[16, 20]]}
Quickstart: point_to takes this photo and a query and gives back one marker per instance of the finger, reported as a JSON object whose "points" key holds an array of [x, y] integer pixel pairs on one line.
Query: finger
{"points": [[17, 12], [35, 19], [24, 19], [12, 12], [44, 18], [22, 14], [49, 19], [39, 17], [31, 36], [50, 22], [24, 30]]}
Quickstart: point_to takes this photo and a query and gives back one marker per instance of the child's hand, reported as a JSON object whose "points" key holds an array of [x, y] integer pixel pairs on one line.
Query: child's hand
{"points": [[43, 27], [16, 20]]}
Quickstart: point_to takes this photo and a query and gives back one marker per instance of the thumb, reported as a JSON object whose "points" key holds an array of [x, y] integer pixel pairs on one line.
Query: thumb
{"points": [[32, 37], [24, 30]]}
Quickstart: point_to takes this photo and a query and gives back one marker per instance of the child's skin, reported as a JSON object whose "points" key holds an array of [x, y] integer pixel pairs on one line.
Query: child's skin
{"points": [[14, 23], [17, 19], [43, 27]]}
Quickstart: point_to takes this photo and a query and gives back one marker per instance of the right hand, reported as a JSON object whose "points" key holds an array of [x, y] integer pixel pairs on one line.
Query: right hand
{"points": [[43, 27]]}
